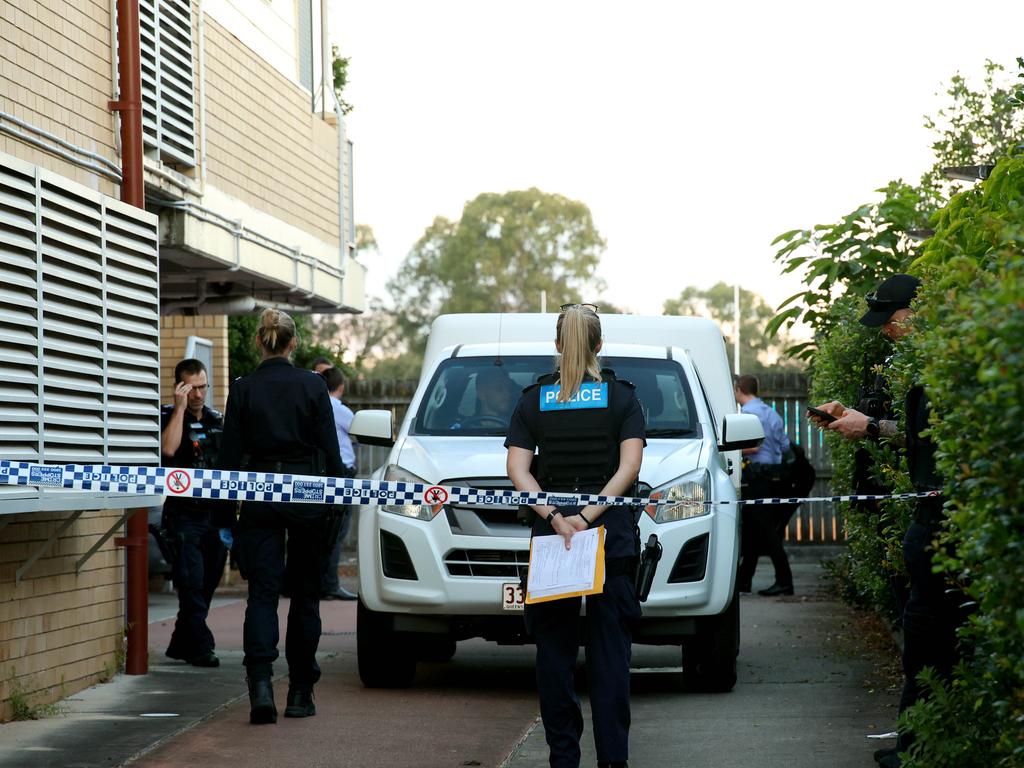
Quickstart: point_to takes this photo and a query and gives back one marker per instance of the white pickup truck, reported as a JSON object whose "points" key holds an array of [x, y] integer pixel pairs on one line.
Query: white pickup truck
{"points": [[432, 575]]}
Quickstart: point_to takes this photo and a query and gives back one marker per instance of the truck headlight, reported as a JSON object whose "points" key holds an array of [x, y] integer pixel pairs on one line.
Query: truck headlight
{"points": [[686, 497], [418, 511]]}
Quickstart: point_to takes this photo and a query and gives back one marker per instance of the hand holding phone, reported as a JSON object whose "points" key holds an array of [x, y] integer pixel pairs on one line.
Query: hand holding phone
{"points": [[825, 416]]}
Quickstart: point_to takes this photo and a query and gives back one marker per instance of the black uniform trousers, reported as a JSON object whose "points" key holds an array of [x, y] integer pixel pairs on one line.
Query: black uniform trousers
{"points": [[931, 617], [555, 627], [196, 573], [760, 533], [260, 548]]}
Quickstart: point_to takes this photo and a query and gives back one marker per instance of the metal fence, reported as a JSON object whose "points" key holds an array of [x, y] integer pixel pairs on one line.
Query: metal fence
{"points": [[818, 523]]}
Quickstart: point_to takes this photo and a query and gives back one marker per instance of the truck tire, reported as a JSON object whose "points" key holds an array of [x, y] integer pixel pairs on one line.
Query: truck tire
{"points": [[386, 660], [709, 657]]}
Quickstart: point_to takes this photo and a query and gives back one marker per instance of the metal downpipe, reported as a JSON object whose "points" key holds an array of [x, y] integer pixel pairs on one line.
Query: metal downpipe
{"points": [[129, 104]]}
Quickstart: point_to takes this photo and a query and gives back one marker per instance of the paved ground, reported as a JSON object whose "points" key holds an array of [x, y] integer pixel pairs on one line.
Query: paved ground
{"points": [[808, 695]]}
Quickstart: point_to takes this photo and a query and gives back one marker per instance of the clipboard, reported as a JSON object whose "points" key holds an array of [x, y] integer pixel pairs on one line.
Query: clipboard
{"points": [[594, 588]]}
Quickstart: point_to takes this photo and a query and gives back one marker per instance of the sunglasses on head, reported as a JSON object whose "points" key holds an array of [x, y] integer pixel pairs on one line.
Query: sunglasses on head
{"points": [[584, 307]]}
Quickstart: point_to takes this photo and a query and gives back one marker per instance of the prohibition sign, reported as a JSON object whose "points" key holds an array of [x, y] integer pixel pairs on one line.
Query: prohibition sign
{"points": [[435, 495], [178, 481]]}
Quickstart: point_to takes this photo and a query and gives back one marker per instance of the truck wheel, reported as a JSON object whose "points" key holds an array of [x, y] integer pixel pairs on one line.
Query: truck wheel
{"points": [[709, 657], [385, 660]]}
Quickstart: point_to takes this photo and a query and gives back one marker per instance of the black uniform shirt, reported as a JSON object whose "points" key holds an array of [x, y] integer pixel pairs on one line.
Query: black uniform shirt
{"points": [[628, 418], [193, 456], [188, 455], [279, 413]]}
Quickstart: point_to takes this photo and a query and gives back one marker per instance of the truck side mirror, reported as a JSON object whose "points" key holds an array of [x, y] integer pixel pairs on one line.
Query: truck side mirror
{"points": [[741, 430], [373, 428]]}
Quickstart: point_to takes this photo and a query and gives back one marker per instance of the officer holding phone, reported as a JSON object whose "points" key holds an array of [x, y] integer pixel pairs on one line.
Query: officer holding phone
{"points": [[933, 610], [190, 437]]}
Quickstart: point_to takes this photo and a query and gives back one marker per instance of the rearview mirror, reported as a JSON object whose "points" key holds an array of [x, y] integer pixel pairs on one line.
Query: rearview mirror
{"points": [[741, 430], [373, 428]]}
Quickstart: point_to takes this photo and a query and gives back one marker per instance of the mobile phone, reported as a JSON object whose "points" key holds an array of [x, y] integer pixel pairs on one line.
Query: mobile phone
{"points": [[825, 416]]}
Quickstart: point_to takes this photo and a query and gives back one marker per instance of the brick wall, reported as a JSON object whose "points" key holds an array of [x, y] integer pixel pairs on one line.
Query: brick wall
{"points": [[264, 144], [55, 73], [59, 632], [174, 333]]}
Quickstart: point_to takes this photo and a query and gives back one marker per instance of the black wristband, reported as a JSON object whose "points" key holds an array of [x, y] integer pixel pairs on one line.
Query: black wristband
{"points": [[551, 516], [584, 518]]}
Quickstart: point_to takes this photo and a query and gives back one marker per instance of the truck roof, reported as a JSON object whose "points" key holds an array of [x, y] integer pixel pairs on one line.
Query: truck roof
{"points": [[698, 336]]}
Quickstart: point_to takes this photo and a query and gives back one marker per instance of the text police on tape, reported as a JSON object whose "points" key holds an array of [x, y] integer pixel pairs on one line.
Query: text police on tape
{"points": [[246, 485], [305, 490]]}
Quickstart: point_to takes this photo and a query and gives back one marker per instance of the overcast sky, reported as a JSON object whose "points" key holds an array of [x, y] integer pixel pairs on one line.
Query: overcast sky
{"points": [[694, 132]]}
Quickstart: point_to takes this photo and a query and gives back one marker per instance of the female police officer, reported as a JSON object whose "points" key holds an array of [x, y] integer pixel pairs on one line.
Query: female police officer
{"points": [[588, 444], [279, 419]]}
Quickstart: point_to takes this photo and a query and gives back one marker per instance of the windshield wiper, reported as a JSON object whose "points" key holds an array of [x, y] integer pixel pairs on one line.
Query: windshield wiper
{"points": [[668, 432]]}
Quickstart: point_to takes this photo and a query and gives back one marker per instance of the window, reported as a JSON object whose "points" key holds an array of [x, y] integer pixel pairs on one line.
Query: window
{"points": [[79, 337], [305, 33], [476, 395], [168, 104]]}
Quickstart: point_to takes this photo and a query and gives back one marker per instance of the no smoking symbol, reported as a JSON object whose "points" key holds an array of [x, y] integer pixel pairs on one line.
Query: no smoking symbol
{"points": [[435, 495], [178, 481]]}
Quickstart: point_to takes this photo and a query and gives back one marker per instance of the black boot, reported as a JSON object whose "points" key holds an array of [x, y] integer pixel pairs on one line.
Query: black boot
{"points": [[261, 701], [300, 703], [776, 589], [612, 765]]}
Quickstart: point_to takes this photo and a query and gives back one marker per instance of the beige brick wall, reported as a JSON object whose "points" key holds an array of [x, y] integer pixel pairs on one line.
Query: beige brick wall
{"points": [[55, 73], [264, 144], [59, 632], [174, 333]]}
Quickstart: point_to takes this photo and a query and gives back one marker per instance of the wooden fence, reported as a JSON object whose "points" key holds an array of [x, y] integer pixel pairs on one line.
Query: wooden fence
{"points": [[818, 523]]}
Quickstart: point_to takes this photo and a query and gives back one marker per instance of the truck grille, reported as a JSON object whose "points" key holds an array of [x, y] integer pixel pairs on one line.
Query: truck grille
{"points": [[468, 520], [503, 563]]}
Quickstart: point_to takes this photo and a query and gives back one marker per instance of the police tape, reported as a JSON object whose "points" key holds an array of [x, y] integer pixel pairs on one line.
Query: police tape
{"points": [[228, 485]]}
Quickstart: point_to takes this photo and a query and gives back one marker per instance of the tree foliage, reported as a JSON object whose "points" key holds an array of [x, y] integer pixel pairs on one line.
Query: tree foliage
{"points": [[718, 302], [498, 257], [967, 351], [339, 78]]}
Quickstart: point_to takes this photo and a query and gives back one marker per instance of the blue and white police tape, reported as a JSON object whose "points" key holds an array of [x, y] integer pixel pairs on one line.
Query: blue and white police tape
{"points": [[226, 485]]}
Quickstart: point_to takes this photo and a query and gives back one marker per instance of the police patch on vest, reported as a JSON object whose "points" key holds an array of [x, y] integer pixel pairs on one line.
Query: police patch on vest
{"points": [[591, 394]]}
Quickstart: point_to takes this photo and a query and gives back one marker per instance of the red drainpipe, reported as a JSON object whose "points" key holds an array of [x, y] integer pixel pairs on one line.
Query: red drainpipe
{"points": [[136, 543]]}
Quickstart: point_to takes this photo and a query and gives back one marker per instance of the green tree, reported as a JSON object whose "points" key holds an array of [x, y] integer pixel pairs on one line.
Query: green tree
{"points": [[498, 257], [757, 350], [339, 73], [244, 355]]}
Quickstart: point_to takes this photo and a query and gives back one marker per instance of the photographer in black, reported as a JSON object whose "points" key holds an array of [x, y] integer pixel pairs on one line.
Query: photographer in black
{"points": [[190, 437]]}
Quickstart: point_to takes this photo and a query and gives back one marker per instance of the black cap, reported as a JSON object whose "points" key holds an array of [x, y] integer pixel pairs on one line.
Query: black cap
{"points": [[894, 293]]}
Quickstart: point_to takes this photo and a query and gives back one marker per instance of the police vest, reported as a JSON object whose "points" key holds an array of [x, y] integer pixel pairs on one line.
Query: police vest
{"points": [[578, 446]]}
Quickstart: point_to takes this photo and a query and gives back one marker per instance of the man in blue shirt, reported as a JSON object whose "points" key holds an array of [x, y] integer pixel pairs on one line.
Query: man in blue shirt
{"points": [[331, 588], [762, 476]]}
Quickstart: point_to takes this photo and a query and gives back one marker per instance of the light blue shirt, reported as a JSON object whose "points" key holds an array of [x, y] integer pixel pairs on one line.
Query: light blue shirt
{"points": [[342, 422], [776, 441]]}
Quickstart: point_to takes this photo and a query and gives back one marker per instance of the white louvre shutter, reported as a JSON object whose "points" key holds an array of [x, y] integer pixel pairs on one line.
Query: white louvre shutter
{"points": [[19, 321], [133, 337], [168, 101], [79, 337]]}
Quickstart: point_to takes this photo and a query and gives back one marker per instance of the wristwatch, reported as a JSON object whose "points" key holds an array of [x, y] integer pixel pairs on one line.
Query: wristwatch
{"points": [[551, 516], [872, 428]]}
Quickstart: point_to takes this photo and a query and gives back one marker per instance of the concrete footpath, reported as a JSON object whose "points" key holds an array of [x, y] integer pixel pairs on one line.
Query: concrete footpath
{"points": [[809, 693]]}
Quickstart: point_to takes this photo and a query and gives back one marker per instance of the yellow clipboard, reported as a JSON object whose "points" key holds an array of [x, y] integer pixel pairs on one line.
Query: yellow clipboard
{"points": [[595, 589]]}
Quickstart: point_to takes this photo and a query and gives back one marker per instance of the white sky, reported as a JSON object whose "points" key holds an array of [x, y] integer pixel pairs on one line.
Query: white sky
{"points": [[695, 133]]}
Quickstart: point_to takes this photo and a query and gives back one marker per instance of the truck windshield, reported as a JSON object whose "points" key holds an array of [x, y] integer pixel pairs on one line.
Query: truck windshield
{"points": [[476, 395]]}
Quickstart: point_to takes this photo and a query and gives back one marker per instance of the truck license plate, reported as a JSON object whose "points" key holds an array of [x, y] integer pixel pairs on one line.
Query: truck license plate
{"points": [[512, 596]]}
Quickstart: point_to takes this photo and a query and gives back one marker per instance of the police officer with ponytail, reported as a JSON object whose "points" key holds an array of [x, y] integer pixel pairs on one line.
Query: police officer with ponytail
{"points": [[279, 419], [587, 428]]}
